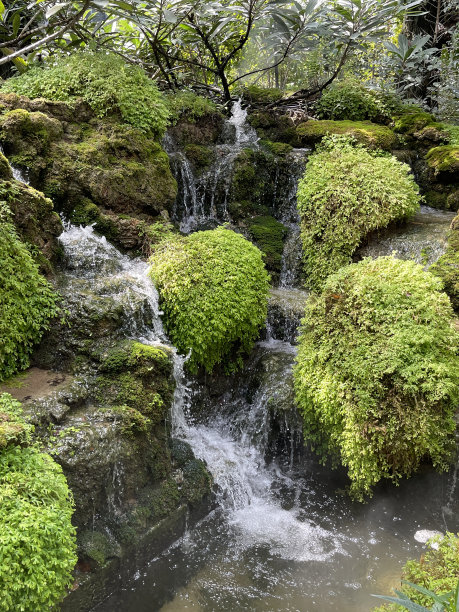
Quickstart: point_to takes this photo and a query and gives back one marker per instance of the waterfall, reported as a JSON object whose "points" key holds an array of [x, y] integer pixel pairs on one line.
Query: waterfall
{"points": [[202, 199]]}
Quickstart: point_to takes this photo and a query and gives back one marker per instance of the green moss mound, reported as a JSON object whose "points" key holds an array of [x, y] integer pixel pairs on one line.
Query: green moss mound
{"points": [[27, 301], [261, 95], [269, 235], [447, 266], [104, 81], [377, 371], [437, 571], [37, 539], [370, 134], [187, 105], [347, 192], [413, 119], [444, 159], [354, 102], [214, 291]]}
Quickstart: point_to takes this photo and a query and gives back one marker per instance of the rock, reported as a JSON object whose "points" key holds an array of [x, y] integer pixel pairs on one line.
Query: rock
{"points": [[370, 134]]}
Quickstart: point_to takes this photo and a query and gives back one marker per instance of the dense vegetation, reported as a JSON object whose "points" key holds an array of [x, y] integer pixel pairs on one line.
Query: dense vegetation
{"points": [[436, 571], [213, 288], [377, 371], [27, 299], [37, 539], [105, 81], [347, 192]]}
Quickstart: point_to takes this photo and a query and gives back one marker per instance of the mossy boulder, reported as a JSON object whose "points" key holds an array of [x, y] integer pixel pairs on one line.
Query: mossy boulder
{"points": [[275, 127], [412, 120], [200, 156], [277, 148], [447, 267], [269, 235], [36, 222], [5, 169], [377, 371], [444, 160], [203, 130], [254, 94], [113, 164], [370, 134]]}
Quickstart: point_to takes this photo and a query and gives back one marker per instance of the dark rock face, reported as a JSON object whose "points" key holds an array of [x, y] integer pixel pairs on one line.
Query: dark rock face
{"points": [[70, 155]]}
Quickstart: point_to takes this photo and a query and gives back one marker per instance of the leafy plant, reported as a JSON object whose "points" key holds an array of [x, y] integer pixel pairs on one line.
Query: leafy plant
{"points": [[214, 289], [37, 538], [347, 192], [434, 578], [105, 82], [377, 371], [28, 302], [351, 100]]}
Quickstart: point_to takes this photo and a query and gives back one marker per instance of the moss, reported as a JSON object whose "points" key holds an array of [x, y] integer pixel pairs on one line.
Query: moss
{"points": [[444, 159], [197, 479], [129, 420], [96, 546], [261, 95], [274, 127], [412, 121], [269, 234], [452, 201], [447, 266], [85, 213], [277, 148], [436, 199], [199, 155], [433, 133], [367, 133], [13, 427], [5, 170]]}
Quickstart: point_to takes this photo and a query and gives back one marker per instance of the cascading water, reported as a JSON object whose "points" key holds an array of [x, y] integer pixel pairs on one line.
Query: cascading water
{"points": [[202, 200]]}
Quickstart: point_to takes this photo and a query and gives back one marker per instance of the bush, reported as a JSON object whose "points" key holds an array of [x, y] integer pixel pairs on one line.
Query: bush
{"points": [[13, 428], [352, 101], [346, 193], [102, 80], [437, 571], [214, 289], [186, 104], [27, 301], [37, 539], [377, 371]]}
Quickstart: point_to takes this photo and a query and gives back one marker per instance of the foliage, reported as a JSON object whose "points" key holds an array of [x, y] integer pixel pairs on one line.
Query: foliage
{"points": [[352, 101], [185, 104], [105, 82], [213, 288], [437, 571], [37, 539], [347, 192], [28, 302], [13, 428], [269, 235], [377, 371]]}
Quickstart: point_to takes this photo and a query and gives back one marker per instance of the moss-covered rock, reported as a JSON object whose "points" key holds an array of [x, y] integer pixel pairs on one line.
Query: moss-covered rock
{"points": [[36, 222], [277, 148], [444, 160], [370, 134], [115, 165], [269, 234], [200, 156], [261, 95], [274, 127], [447, 267], [412, 120], [6, 173]]}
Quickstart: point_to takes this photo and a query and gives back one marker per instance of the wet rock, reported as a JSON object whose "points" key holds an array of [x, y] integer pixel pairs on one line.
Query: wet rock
{"points": [[285, 310]]}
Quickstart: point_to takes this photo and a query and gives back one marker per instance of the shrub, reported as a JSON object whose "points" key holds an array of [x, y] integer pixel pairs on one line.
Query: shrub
{"points": [[27, 301], [346, 193], [102, 80], [13, 428], [214, 289], [352, 101], [37, 539], [437, 571], [187, 104], [377, 371]]}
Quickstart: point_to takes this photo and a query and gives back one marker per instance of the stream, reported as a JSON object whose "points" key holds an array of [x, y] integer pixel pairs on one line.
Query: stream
{"points": [[283, 536]]}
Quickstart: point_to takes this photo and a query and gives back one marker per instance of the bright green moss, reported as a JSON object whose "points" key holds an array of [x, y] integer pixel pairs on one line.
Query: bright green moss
{"points": [[269, 236], [5, 169], [104, 81], [189, 106], [412, 121], [27, 301], [367, 133], [214, 291], [444, 159], [37, 538], [261, 95], [377, 371], [447, 266], [346, 193], [277, 148], [353, 102]]}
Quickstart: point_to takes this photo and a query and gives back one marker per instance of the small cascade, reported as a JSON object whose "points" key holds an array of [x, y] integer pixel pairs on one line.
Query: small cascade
{"points": [[202, 199]]}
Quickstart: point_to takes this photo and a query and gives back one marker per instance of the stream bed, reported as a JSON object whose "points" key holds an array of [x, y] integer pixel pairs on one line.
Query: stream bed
{"points": [[284, 536]]}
